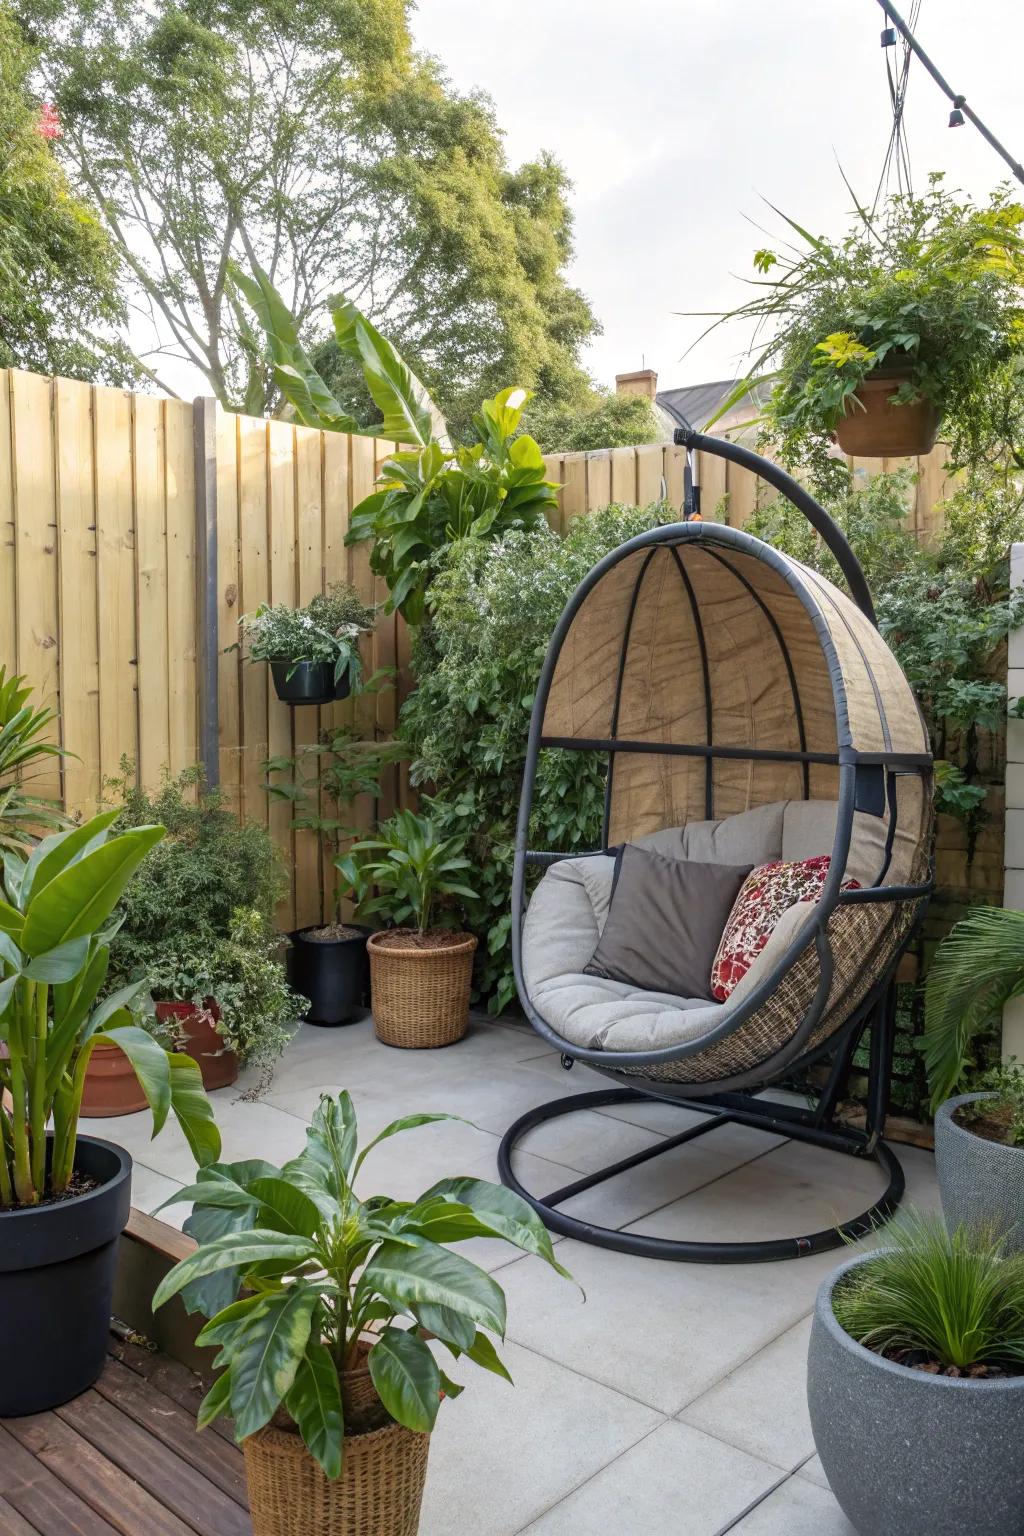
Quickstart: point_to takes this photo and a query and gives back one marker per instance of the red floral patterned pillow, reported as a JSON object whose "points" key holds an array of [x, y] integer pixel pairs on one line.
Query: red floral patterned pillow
{"points": [[765, 894]]}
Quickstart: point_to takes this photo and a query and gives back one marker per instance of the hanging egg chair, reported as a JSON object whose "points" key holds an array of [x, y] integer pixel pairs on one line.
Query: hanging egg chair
{"points": [[750, 715]]}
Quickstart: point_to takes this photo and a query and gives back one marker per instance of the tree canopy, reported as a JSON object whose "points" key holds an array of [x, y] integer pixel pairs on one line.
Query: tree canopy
{"points": [[58, 268], [599, 420], [308, 136]]}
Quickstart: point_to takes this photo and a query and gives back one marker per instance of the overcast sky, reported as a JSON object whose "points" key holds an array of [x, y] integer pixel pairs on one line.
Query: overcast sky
{"points": [[675, 118]]}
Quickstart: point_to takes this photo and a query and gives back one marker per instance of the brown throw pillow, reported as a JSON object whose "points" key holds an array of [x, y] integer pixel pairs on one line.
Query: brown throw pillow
{"points": [[665, 922]]}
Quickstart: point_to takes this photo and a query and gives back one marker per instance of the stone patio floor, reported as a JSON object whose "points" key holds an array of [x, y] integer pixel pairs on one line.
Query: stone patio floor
{"points": [[666, 1401]]}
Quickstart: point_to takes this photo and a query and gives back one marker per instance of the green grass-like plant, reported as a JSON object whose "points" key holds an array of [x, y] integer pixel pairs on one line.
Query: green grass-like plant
{"points": [[956, 1298]]}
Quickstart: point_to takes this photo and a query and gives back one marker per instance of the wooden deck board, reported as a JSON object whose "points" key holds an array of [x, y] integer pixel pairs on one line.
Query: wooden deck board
{"points": [[124, 1459]]}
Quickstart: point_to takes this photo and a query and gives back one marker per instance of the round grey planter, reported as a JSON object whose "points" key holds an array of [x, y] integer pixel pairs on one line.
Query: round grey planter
{"points": [[981, 1182], [908, 1454]]}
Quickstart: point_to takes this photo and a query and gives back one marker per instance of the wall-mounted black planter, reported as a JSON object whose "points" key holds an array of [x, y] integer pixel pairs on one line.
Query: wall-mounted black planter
{"points": [[332, 973], [57, 1266], [311, 682]]}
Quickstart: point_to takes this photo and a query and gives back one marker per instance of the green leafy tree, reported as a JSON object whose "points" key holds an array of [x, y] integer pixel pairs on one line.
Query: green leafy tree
{"points": [[311, 138], [59, 293], [601, 420]]}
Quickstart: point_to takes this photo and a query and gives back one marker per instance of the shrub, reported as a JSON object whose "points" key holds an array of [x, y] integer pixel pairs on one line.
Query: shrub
{"points": [[493, 609], [605, 420], [955, 1300]]}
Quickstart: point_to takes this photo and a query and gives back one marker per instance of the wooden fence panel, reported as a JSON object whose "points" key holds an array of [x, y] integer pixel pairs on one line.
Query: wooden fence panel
{"points": [[117, 644], [8, 584], [77, 651], [154, 753]]}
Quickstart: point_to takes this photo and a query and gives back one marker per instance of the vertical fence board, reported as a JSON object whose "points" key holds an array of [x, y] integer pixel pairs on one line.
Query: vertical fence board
{"points": [[574, 488], [742, 488], [115, 581], [37, 623], [599, 480], [281, 543], [309, 575], [181, 587], [229, 581], [8, 585], [675, 465], [363, 712], [151, 585], [553, 463], [713, 488], [624, 476], [650, 470], [253, 480], [385, 656], [336, 502], [78, 650]]}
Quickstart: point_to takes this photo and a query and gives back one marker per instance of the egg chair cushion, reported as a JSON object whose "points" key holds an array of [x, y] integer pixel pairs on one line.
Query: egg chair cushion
{"points": [[665, 922], [569, 908]]}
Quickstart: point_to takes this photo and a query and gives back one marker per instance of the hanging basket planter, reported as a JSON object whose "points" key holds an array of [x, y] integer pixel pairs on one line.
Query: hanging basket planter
{"points": [[875, 428], [308, 682]]}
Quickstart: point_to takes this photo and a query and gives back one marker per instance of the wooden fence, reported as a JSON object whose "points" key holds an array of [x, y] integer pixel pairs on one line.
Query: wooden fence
{"points": [[135, 530], [640, 475]]}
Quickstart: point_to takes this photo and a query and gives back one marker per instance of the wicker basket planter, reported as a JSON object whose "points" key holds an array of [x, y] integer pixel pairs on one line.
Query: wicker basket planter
{"points": [[420, 997], [378, 1493]]}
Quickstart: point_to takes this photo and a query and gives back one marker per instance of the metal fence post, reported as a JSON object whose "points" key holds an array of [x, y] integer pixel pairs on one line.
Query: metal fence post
{"points": [[207, 642]]}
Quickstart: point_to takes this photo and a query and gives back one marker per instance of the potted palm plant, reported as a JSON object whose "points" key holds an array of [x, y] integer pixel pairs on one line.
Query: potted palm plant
{"points": [[915, 1382], [420, 970], [979, 1135], [327, 961], [64, 1198], [320, 1303], [313, 651], [898, 327]]}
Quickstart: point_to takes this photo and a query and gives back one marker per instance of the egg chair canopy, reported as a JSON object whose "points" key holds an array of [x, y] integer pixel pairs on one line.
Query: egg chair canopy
{"points": [[746, 710]]}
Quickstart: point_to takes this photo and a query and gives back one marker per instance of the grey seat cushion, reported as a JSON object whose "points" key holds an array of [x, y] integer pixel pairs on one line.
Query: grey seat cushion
{"points": [[570, 905]]}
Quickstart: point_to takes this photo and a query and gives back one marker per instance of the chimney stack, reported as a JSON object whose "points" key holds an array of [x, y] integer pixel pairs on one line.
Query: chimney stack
{"points": [[644, 381]]}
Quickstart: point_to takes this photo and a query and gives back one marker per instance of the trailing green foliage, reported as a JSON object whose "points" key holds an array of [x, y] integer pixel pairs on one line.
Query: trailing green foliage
{"points": [[198, 920], [493, 608], [24, 750], [406, 869], [976, 969], [930, 284], [1006, 1083], [956, 1299], [296, 1272], [327, 630], [56, 927]]}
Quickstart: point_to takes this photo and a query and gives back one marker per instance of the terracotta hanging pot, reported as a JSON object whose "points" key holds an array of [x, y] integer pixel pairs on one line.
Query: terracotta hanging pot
{"points": [[875, 428], [196, 1026]]}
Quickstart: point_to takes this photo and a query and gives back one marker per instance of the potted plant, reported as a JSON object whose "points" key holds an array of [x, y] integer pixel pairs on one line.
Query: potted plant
{"points": [[915, 1383], [197, 928], [979, 1136], [327, 961], [898, 327], [64, 1198], [321, 1303], [313, 651], [420, 974]]}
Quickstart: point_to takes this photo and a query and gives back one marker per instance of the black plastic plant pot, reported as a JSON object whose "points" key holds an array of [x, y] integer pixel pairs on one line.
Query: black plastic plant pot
{"points": [[332, 973], [311, 682], [57, 1265]]}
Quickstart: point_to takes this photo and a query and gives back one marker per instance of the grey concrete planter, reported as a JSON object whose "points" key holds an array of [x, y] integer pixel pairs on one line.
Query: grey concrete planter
{"points": [[981, 1182], [908, 1454]]}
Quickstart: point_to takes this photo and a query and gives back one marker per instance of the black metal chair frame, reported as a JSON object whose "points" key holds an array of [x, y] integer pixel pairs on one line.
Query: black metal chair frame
{"points": [[866, 782]]}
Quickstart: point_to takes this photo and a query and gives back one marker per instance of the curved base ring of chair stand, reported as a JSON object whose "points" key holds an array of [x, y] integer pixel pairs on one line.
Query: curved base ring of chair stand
{"points": [[782, 1122]]}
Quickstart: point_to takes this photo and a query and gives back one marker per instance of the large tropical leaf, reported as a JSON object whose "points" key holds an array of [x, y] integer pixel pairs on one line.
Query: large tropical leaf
{"points": [[407, 1123], [56, 852], [62, 964], [314, 1402], [411, 1275], [192, 1109], [483, 1353], [81, 898], [233, 1251], [150, 1063], [265, 1360], [504, 1213], [331, 1141], [211, 1294], [285, 1207], [410, 416], [217, 1402], [974, 971], [407, 1379], [310, 397]]}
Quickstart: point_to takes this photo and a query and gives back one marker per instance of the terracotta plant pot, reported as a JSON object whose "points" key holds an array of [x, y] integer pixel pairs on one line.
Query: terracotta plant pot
{"points": [[882, 430], [420, 996], [379, 1492], [196, 1025], [111, 1087]]}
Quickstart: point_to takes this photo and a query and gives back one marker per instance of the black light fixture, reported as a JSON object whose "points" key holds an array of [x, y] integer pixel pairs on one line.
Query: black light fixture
{"points": [[889, 37], [956, 117]]}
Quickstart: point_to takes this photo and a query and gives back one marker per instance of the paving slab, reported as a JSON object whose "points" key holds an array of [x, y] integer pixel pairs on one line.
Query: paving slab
{"points": [[761, 1407], [798, 1508]]}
